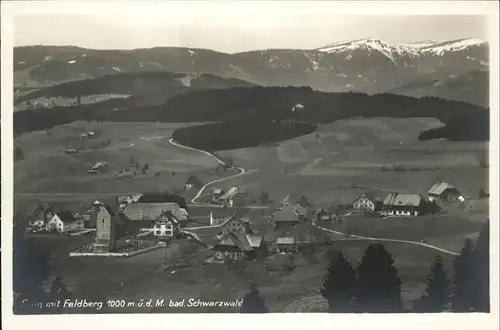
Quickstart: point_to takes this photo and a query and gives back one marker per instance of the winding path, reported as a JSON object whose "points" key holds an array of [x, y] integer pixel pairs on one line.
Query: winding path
{"points": [[241, 170], [378, 239]]}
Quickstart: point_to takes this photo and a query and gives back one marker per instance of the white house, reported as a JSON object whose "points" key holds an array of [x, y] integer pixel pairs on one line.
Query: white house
{"points": [[166, 225], [64, 222]]}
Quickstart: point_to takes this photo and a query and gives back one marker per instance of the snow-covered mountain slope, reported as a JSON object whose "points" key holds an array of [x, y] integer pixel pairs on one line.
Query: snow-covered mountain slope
{"points": [[371, 45], [366, 65], [442, 47]]}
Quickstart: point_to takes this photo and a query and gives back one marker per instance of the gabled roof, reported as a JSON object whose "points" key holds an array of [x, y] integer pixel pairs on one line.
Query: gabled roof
{"points": [[149, 211], [169, 216], [397, 199], [238, 240], [286, 214], [439, 188], [182, 214], [66, 216], [217, 191], [230, 193], [371, 195]]}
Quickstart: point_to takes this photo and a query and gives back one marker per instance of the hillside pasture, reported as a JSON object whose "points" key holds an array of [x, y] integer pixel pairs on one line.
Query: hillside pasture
{"points": [[47, 168]]}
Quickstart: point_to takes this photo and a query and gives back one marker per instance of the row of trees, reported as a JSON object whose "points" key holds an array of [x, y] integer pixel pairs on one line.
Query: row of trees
{"points": [[163, 197], [375, 287]]}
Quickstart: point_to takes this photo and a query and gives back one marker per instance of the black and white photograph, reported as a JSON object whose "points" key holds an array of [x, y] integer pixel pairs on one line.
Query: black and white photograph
{"points": [[278, 157]]}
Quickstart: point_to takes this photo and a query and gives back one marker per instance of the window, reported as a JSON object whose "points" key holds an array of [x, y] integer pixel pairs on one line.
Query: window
{"points": [[157, 232]]}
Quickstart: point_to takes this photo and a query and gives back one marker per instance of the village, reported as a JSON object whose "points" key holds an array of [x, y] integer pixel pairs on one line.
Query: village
{"points": [[220, 222]]}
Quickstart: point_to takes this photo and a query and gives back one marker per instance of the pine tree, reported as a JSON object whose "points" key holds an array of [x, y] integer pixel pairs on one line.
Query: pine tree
{"points": [[436, 297], [378, 288], [481, 279], [253, 302], [462, 284], [29, 271], [338, 284]]}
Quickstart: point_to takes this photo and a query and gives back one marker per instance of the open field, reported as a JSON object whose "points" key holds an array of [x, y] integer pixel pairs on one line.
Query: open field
{"points": [[444, 231], [145, 276], [47, 168], [350, 155]]}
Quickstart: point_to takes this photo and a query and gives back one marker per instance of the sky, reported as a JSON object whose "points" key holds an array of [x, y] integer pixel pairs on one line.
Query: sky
{"points": [[233, 30]]}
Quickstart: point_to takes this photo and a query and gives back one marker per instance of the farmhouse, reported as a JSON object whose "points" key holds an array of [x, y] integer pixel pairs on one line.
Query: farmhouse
{"points": [[193, 183], [218, 216], [64, 222], [217, 194], [239, 246], [445, 192], [235, 196], [111, 230], [166, 225], [327, 216], [145, 214], [237, 225], [286, 217], [286, 245], [403, 204], [366, 202], [123, 201], [98, 168]]}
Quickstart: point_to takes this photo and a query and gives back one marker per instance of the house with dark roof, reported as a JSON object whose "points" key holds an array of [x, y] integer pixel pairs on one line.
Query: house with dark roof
{"points": [[445, 192], [289, 216], [235, 196], [64, 222], [366, 202], [235, 245], [217, 194], [236, 223], [403, 204], [327, 215], [286, 217]]}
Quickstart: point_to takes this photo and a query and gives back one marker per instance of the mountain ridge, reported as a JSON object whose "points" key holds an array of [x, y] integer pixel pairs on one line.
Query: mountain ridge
{"points": [[365, 65]]}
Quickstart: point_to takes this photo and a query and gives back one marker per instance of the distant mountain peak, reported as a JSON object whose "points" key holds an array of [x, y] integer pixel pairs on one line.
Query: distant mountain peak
{"points": [[370, 44], [439, 47]]}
